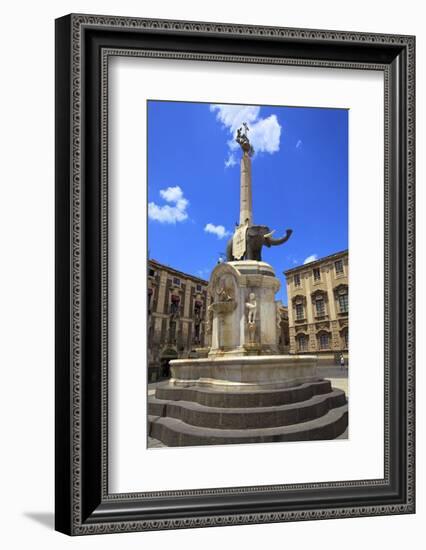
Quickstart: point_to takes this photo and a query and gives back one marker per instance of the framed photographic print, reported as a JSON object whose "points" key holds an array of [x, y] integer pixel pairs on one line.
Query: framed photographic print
{"points": [[234, 274]]}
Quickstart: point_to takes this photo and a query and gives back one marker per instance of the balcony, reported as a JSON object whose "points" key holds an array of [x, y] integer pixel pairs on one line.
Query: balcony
{"points": [[321, 317]]}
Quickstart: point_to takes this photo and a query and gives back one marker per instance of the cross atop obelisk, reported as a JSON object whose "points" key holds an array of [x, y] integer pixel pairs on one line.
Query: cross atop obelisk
{"points": [[246, 200]]}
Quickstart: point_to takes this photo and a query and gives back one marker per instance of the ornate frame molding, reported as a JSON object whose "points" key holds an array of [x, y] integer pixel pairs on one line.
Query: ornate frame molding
{"points": [[84, 505]]}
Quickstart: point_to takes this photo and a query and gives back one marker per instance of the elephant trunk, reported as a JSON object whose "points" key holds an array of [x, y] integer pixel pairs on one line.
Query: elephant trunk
{"points": [[275, 242]]}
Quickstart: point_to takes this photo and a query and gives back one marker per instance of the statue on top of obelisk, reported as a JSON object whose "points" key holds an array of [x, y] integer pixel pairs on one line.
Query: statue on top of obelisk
{"points": [[247, 241], [243, 140]]}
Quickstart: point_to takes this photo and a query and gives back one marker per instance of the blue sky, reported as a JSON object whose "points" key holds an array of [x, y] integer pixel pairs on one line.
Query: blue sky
{"points": [[299, 180]]}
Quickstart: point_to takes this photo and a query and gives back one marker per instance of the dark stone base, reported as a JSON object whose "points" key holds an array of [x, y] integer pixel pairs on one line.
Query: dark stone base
{"points": [[208, 416]]}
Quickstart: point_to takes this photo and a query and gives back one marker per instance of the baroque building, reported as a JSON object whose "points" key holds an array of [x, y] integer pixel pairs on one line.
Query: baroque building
{"points": [[177, 306], [282, 327], [318, 307]]}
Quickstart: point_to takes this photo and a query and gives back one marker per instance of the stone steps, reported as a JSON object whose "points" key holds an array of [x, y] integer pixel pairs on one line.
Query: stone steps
{"points": [[196, 414], [241, 398], [174, 432]]}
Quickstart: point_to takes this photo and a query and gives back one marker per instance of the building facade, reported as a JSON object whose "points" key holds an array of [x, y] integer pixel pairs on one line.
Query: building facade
{"points": [[318, 307], [282, 328], [177, 306]]}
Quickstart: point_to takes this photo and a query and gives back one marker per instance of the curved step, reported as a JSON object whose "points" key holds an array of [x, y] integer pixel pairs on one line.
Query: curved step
{"points": [[175, 433], [247, 418], [231, 397]]}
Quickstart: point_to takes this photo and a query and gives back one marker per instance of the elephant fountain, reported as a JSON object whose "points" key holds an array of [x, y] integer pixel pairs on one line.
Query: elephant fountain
{"points": [[256, 237], [244, 390]]}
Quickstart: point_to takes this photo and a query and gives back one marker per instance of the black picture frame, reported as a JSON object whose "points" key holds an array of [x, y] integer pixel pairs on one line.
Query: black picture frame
{"points": [[83, 504]]}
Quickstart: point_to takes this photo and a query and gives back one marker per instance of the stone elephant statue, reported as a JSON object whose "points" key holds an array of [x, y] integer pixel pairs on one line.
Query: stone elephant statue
{"points": [[256, 237]]}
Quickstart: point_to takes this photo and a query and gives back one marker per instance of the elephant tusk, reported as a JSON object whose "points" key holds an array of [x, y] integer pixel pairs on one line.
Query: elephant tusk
{"points": [[275, 242], [268, 235]]}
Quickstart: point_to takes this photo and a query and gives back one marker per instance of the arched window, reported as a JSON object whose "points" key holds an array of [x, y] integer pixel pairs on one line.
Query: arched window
{"points": [[299, 307], [320, 306], [324, 340], [319, 302], [174, 305], [342, 298], [302, 342], [343, 303], [300, 312]]}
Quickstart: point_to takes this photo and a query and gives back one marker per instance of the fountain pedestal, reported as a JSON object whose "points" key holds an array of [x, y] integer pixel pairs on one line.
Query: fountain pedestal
{"points": [[243, 391], [230, 287]]}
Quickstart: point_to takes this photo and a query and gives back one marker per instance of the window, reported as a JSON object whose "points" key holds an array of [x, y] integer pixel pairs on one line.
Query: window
{"points": [[324, 340], [296, 279], [317, 274], [172, 332], [343, 303], [151, 272], [338, 266], [197, 311], [198, 288], [299, 312], [302, 342], [174, 305], [320, 306], [345, 338], [176, 281]]}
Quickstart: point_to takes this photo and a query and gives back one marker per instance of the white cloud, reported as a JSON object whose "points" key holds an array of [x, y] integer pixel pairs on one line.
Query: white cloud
{"points": [[311, 258], [231, 160], [172, 194], [299, 144], [166, 213], [264, 133], [233, 116], [203, 272], [217, 230]]}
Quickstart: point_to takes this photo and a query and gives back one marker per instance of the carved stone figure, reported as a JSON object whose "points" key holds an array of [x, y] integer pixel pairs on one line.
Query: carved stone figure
{"points": [[224, 289], [256, 237], [251, 333], [251, 306], [224, 294], [243, 140]]}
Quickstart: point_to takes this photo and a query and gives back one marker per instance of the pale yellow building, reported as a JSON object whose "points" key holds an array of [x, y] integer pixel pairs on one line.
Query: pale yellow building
{"points": [[177, 306], [318, 307], [282, 327]]}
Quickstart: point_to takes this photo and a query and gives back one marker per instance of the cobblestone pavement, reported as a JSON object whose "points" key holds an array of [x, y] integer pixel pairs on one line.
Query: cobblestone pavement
{"points": [[337, 376]]}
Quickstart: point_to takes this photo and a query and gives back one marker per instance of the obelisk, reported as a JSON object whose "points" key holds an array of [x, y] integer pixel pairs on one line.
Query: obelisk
{"points": [[246, 200]]}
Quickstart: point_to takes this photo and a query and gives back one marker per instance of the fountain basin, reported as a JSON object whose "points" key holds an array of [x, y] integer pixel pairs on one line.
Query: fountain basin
{"points": [[246, 372]]}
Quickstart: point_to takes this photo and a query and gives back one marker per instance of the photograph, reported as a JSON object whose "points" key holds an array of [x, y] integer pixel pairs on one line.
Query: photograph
{"points": [[234, 273], [247, 273]]}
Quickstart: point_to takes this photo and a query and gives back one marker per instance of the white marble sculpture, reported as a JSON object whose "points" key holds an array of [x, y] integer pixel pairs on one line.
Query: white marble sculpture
{"points": [[251, 308]]}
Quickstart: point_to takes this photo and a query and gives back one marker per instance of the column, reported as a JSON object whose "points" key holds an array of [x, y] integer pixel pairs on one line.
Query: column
{"points": [[246, 200]]}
